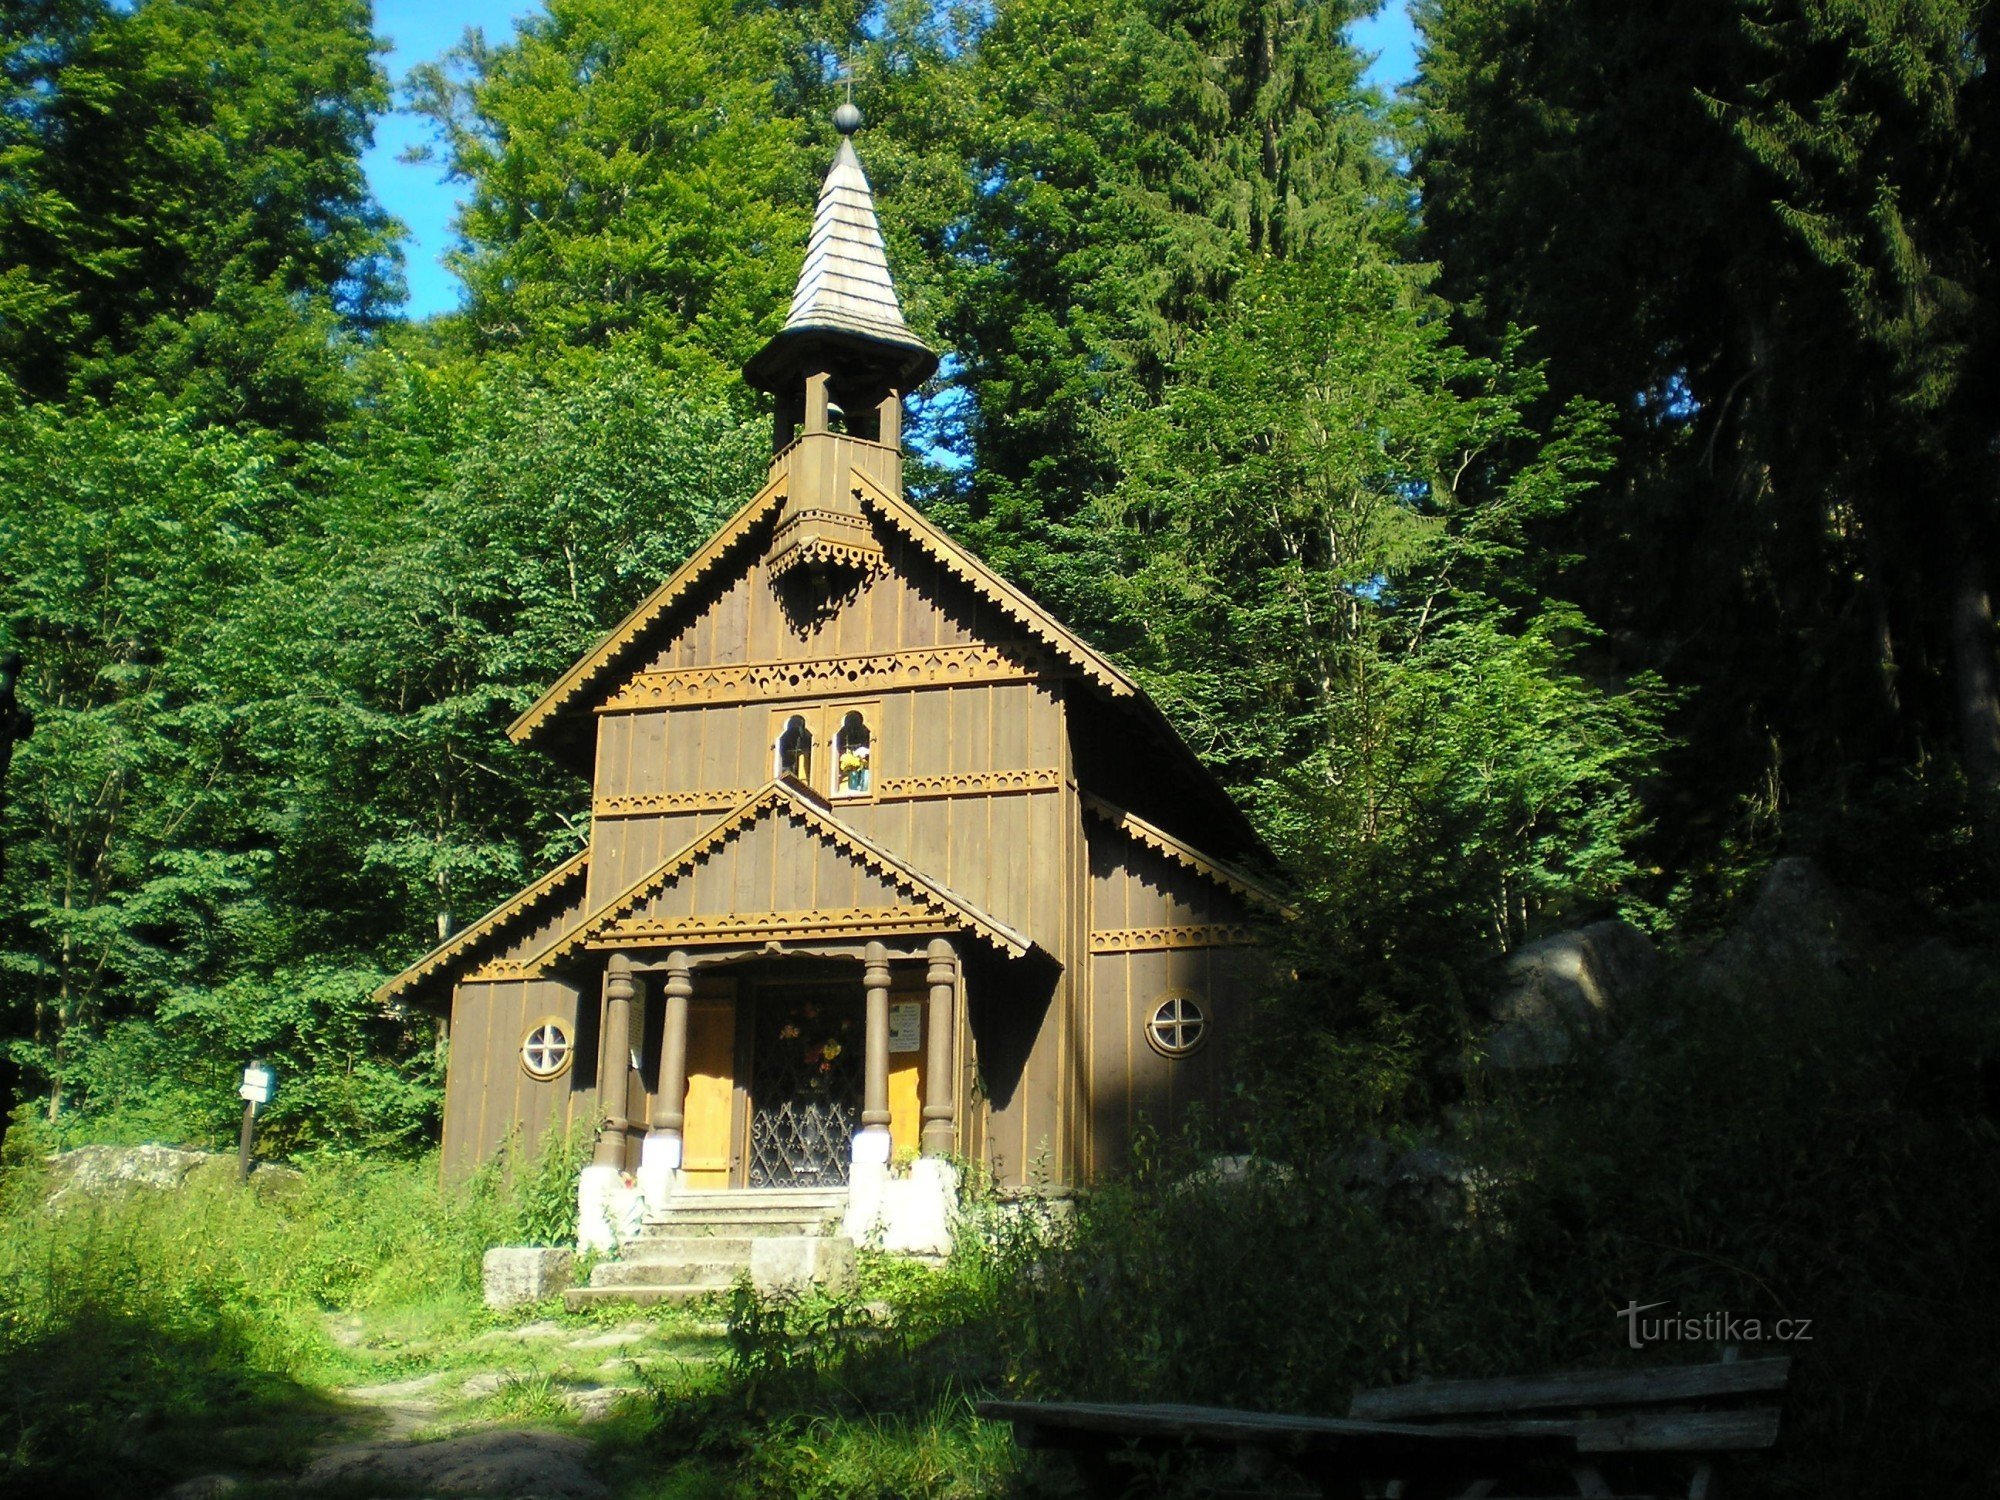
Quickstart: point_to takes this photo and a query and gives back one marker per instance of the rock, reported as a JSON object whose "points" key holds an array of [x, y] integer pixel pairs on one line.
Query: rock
{"points": [[517, 1274], [1562, 987], [617, 1338], [485, 1383], [515, 1464], [782, 1262], [89, 1171], [1796, 927], [1432, 1181], [106, 1169], [596, 1402], [399, 1390], [204, 1487], [541, 1328]]}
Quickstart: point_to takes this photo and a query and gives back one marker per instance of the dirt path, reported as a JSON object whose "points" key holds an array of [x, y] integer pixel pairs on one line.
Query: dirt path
{"points": [[504, 1414]]}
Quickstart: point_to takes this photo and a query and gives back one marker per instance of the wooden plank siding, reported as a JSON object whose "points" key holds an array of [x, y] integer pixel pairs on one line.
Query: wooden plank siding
{"points": [[490, 1099], [1124, 1081], [979, 750]]}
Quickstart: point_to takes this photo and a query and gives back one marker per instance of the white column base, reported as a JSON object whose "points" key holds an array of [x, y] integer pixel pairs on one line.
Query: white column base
{"points": [[609, 1209], [913, 1215], [659, 1169]]}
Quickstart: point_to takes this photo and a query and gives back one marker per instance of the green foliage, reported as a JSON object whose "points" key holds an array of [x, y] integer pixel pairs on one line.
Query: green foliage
{"points": [[628, 181], [1803, 1146], [1756, 232], [134, 1327], [269, 756], [182, 206]]}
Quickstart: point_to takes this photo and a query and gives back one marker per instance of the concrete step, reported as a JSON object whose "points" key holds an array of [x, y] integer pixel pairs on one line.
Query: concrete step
{"points": [[658, 1248], [577, 1298], [714, 1274], [743, 1218], [764, 1201]]}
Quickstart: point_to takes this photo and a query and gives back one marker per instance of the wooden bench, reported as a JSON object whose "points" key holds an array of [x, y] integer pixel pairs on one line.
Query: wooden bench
{"points": [[1464, 1438], [1645, 1423]]}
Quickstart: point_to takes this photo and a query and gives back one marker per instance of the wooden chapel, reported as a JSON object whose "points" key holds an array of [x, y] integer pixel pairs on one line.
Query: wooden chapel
{"points": [[884, 863]]}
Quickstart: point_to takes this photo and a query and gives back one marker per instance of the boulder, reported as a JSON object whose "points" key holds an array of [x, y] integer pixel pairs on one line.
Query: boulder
{"points": [[1796, 926], [518, 1274], [1564, 986]]}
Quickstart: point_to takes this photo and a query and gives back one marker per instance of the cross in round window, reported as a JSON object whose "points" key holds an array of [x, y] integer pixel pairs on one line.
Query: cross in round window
{"points": [[546, 1049], [1177, 1026]]}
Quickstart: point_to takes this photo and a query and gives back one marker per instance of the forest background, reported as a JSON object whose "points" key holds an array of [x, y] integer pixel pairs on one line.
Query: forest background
{"points": [[1558, 490]]}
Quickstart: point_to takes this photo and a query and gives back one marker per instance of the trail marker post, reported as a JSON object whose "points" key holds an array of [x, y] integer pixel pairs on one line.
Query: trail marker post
{"points": [[259, 1083]]}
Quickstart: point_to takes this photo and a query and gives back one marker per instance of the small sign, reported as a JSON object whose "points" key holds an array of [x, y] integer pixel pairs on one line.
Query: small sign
{"points": [[906, 1026], [258, 1084]]}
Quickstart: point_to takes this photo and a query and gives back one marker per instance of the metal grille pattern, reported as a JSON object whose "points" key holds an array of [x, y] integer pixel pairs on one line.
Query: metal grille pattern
{"points": [[807, 1069]]}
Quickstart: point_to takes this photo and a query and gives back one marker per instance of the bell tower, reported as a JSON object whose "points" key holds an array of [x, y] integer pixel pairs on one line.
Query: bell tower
{"points": [[839, 369]]}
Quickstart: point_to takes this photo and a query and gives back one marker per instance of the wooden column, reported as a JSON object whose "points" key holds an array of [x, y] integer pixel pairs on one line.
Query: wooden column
{"points": [[940, 1089], [670, 1097], [875, 1098], [818, 398], [614, 1061], [889, 421]]}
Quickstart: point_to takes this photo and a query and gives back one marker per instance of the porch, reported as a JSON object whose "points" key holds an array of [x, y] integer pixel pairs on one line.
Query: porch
{"points": [[745, 1071]]}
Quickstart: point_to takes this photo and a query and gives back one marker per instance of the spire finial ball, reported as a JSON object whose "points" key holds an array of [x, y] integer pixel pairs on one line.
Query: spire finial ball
{"points": [[847, 119]]}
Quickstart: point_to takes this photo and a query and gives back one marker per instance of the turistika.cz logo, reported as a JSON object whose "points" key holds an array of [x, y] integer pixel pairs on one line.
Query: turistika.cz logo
{"points": [[1708, 1328]]}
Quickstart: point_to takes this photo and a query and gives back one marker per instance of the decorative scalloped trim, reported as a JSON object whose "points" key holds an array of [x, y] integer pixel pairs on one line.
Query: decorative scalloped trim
{"points": [[790, 802], [761, 681], [1161, 842], [1148, 939], [969, 784], [458, 942], [777, 926], [664, 804]]}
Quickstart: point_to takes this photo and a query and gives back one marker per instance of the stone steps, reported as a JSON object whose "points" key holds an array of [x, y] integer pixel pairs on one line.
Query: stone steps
{"points": [[702, 1243]]}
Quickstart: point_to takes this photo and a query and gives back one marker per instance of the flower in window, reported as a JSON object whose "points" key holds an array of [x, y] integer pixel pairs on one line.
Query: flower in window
{"points": [[854, 768]]}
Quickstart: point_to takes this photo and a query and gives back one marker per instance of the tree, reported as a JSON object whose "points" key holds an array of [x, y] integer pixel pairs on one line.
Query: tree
{"points": [[1785, 534], [1324, 523], [1125, 164], [629, 181], [182, 206]]}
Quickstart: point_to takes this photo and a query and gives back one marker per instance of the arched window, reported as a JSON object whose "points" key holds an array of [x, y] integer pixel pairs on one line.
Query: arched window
{"points": [[795, 751], [854, 775]]}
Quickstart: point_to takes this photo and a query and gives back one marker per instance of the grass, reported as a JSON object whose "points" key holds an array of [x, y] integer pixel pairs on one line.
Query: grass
{"points": [[147, 1336]]}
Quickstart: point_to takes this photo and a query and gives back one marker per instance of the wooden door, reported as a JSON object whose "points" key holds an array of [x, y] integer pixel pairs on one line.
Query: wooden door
{"points": [[706, 1130]]}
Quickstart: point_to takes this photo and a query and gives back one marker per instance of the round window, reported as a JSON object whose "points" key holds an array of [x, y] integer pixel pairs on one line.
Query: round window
{"points": [[1178, 1025], [546, 1049]]}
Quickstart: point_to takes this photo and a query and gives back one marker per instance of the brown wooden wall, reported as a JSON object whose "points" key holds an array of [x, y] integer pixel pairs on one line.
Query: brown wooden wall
{"points": [[914, 604], [489, 1097], [975, 765], [1136, 890]]}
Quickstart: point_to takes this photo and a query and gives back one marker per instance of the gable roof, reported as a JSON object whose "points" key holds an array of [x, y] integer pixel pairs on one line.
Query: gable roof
{"points": [[605, 657], [570, 872], [1187, 856], [787, 800], [1092, 665]]}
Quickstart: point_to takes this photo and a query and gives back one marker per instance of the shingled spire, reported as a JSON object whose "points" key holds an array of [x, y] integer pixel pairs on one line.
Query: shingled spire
{"points": [[839, 368], [845, 318]]}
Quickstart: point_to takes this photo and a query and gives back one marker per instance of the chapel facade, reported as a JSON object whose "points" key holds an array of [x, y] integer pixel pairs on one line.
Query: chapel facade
{"points": [[886, 865]]}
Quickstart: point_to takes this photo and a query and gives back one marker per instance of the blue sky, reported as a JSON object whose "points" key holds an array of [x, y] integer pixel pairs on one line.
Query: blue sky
{"points": [[424, 201]]}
